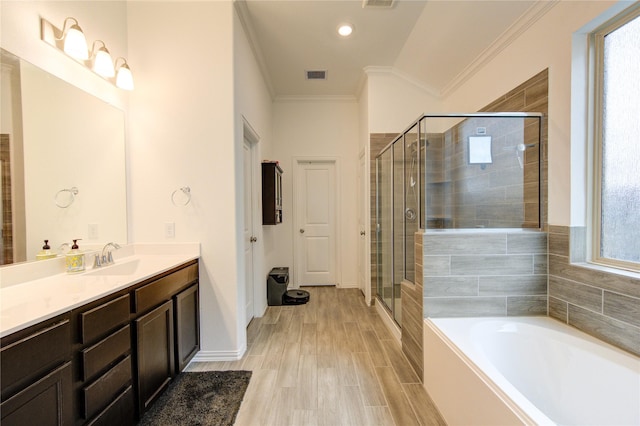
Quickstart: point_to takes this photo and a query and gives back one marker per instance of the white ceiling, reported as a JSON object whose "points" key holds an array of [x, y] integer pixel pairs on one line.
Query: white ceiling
{"points": [[431, 42]]}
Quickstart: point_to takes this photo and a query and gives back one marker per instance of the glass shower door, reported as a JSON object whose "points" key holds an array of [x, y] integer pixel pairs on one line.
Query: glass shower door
{"points": [[398, 230], [384, 202]]}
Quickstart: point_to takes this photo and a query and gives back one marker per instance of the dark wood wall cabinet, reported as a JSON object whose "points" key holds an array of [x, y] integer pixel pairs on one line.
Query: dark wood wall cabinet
{"points": [[271, 193], [104, 363]]}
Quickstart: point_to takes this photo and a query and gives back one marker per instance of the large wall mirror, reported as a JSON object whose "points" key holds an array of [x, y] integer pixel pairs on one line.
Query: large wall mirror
{"points": [[62, 164]]}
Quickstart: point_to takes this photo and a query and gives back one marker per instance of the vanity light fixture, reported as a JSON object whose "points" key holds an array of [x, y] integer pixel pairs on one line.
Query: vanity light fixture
{"points": [[102, 63], [71, 40], [124, 78], [75, 44]]}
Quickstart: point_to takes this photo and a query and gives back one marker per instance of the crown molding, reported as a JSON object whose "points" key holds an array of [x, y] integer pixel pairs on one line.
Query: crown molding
{"points": [[319, 98], [245, 20], [524, 22], [386, 70]]}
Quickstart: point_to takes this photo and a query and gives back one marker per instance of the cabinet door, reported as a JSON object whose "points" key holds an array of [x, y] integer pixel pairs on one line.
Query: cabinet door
{"points": [[187, 326], [155, 360], [46, 402]]}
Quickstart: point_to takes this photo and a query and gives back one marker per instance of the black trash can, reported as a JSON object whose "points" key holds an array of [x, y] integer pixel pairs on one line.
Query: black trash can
{"points": [[277, 283], [277, 293]]}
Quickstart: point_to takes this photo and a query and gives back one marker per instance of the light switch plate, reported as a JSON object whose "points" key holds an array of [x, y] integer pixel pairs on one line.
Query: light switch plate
{"points": [[170, 230], [94, 231]]}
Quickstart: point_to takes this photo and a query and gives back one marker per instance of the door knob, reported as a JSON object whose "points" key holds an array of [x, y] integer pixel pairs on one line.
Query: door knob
{"points": [[301, 231]]}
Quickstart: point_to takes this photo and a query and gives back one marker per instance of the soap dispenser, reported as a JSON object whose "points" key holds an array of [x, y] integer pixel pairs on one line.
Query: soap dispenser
{"points": [[46, 252], [75, 259]]}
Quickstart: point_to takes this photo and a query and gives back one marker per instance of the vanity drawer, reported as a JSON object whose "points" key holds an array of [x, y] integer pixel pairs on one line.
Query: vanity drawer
{"points": [[120, 412], [28, 359], [159, 291], [99, 321], [103, 353], [101, 392]]}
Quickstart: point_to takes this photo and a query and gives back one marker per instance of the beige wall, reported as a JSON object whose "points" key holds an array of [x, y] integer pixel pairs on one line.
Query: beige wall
{"points": [[318, 128], [394, 102], [254, 106], [182, 133]]}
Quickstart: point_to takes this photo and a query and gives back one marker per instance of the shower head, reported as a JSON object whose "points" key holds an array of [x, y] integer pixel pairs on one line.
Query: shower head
{"points": [[521, 148]]}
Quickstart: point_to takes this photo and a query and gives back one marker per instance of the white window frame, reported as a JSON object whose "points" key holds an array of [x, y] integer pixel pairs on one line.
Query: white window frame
{"points": [[596, 83]]}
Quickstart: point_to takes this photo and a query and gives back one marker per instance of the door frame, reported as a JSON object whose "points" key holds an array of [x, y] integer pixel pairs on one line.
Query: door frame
{"points": [[251, 136], [297, 162], [364, 174]]}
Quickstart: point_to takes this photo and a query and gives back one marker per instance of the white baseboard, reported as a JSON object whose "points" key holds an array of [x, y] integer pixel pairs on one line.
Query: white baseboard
{"points": [[212, 356]]}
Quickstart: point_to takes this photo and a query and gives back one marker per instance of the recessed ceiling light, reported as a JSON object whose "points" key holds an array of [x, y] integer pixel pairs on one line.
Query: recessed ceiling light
{"points": [[345, 30]]}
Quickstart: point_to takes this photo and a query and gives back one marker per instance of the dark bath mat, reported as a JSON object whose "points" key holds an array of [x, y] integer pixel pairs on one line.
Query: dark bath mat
{"points": [[203, 398]]}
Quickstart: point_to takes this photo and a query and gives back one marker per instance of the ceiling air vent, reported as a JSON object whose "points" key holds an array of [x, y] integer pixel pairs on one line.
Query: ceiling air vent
{"points": [[316, 75], [377, 3]]}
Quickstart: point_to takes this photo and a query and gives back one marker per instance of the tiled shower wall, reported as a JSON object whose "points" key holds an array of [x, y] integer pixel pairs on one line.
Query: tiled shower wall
{"points": [[531, 96], [603, 304], [493, 272], [504, 194], [484, 273]]}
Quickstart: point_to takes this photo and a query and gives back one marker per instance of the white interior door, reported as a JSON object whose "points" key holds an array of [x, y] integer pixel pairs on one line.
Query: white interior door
{"points": [[316, 222], [249, 237]]}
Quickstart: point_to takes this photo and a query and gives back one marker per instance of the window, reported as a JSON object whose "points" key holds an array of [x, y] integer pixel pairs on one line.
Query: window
{"points": [[616, 213]]}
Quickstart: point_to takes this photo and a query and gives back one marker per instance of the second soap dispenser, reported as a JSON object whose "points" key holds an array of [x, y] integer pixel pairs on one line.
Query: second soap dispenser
{"points": [[75, 259], [46, 252]]}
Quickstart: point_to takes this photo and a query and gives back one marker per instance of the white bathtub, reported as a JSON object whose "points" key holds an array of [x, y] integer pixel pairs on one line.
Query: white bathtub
{"points": [[527, 370]]}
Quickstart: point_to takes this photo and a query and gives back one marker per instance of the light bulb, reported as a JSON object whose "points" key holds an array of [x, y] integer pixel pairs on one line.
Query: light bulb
{"points": [[102, 63], [124, 79], [345, 30], [75, 44]]}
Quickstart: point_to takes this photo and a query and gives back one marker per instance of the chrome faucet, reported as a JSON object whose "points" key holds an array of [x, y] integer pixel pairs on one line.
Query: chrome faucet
{"points": [[106, 257]]}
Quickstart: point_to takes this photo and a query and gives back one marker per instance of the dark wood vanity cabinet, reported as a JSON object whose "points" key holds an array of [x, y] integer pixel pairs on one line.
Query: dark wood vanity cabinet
{"points": [[106, 362], [164, 317], [36, 375], [271, 193]]}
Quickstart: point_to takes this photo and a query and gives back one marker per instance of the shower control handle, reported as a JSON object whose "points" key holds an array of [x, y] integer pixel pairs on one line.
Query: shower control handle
{"points": [[301, 231]]}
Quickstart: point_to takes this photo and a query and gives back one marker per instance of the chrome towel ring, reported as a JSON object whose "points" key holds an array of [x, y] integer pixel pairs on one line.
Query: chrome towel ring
{"points": [[181, 196], [65, 197]]}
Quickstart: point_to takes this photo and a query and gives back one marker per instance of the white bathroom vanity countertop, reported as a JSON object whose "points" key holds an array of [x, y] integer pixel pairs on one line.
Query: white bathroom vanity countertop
{"points": [[36, 291]]}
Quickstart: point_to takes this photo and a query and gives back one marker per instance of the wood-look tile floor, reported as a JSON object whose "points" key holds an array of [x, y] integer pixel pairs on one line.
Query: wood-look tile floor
{"points": [[329, 362]]}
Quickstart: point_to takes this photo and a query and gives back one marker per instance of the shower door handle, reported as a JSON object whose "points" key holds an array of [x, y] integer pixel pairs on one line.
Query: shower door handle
{"points": [[301, 231]]}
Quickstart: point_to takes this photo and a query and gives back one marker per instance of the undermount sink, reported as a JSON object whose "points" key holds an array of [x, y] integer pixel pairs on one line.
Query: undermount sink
{"points": [[126, 268]]}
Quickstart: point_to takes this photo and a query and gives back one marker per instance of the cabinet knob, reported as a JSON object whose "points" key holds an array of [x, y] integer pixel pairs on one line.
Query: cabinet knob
{"points": [[301, 231], [253, 239], [363, 233]]}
